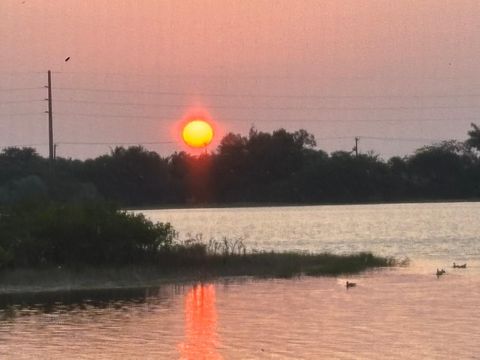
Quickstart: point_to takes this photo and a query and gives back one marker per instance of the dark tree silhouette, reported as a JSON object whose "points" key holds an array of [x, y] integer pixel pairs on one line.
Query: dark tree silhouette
{"points": [[277, 167], [474, 137]]}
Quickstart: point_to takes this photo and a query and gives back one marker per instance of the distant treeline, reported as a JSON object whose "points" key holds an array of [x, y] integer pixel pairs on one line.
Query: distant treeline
{"points": [[278, 167]]}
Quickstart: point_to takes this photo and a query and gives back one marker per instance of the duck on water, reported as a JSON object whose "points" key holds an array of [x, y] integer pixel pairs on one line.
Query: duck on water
{"points": [[349, 284], [440, 272]]}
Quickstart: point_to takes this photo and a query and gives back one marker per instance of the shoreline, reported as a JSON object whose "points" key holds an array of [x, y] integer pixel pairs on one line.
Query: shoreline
{"points": [[263, 265], [242, 205], [70, 283]]}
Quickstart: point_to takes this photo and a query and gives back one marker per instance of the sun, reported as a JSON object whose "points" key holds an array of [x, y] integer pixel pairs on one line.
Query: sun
{"points": [[197, 133]]}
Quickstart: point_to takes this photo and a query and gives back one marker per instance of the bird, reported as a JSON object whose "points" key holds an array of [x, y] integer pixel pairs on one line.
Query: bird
{"points": [[440, 272], [464, 266], [68, 58], [350, 284]]}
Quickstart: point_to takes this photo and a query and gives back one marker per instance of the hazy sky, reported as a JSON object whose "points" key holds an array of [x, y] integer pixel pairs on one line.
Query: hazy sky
{"points": [[399, 74]]}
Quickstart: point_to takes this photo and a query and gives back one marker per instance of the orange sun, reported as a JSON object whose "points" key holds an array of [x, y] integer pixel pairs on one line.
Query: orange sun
{"points": [[197, 133]]}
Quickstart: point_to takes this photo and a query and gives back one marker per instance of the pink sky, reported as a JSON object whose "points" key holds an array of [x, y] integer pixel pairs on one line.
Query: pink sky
{"points": [[395, 73]]}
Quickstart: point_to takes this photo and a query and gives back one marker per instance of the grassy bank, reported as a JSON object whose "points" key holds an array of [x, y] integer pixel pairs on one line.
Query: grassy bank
{"points": [[187, 266], [95, 245]]}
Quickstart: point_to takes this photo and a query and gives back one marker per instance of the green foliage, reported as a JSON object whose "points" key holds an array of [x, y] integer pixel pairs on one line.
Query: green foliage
{"points": [[131, 176], [231, 257], [445, 170], [474, 137], [25, 189], [333, 265], [78, 233], [178, 266], [262, 167]]}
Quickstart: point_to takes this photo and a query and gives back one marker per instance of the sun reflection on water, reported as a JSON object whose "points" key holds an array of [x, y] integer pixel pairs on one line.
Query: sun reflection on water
{"points": [[201, 338]]}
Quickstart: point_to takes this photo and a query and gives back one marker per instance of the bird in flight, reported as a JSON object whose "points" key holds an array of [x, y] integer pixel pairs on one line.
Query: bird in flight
{"points": [[68, 58]]}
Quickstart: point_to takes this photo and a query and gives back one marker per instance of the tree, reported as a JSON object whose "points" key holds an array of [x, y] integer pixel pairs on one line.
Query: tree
{"points": [[132, 176], [474, 137], [441, 170]]}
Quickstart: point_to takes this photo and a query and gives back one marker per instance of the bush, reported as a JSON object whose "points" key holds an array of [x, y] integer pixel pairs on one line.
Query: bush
{"points": [[72, 234]]}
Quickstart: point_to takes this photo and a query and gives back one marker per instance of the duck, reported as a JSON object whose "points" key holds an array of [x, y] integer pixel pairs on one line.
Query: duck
{"points": [[440, 272], [350, 284], [455, 266]]}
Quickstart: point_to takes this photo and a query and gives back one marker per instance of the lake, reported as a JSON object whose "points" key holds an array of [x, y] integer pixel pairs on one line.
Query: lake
{"points": [[392, 313]]}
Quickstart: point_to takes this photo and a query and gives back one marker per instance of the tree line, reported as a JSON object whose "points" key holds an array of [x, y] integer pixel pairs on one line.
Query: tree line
{"points": [[262, 167]]}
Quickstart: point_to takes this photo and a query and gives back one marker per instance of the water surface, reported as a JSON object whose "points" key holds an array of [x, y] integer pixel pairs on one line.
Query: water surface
{"points": [[392, 313], [440, 230]]}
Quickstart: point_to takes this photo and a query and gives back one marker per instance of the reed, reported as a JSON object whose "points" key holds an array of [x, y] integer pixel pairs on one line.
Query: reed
{"points": [[189, 264], [231, 258], [173, 260]]}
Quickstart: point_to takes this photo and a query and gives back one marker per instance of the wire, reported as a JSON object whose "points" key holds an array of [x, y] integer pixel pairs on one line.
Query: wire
{"points": [[21, 145], [348, 120], [120, 143], [132, 117], [333, 138], [253, 120], [257, 77], [287, 108], [90, 143], [16, 73], [23, 114], [377, 138], [19, 101], [20, 89], [115, 143], [398, 139], [170, 93]]}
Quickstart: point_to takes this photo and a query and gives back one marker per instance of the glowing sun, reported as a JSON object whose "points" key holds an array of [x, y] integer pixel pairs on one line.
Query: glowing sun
{"points": [[197, 133]]}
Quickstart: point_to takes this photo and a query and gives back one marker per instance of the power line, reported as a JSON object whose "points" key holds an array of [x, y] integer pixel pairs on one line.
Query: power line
{"points": [[20, 89], [20, 101], [132, 117], [240, 75], [92, 143], [111, 143], [248, 95], [351, 120], [116, 143], [21, 145], [23, 114], [175, 142], [276, 119], [254, 120], [16, 73], [285, 108], [126, 143], [399, 139], [159, 118], [333, 138]]}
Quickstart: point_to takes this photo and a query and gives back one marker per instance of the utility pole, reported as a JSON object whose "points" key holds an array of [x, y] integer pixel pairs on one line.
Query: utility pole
{"points": [[356, 145], [51, 149]]}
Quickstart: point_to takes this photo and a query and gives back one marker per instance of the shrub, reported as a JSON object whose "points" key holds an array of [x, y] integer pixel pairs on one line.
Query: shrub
{"points": [[85, 233]]}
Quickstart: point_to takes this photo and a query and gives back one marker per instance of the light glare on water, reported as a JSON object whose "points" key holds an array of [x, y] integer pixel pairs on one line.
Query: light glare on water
{"points": [[441, 230]]}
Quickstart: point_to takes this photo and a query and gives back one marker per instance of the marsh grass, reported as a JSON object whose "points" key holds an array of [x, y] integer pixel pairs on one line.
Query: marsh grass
{"points": [[286, 264], [231, 257], [191, 260]]}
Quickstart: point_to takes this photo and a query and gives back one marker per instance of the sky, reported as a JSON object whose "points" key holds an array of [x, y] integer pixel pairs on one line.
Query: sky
{"points": [[397, 74]]}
